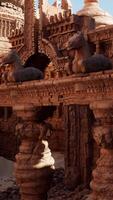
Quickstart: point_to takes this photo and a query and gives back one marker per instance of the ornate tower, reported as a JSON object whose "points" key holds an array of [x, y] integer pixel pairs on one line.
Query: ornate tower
{"points": [[11, 18], [91, 8]]}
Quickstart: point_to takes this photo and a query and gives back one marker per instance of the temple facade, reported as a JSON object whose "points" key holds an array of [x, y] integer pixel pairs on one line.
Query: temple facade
{"points": [[83, 100]]}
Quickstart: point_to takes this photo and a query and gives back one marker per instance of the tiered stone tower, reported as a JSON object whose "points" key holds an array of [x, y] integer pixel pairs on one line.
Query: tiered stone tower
{"points": [[11, 18], [91, 8]]}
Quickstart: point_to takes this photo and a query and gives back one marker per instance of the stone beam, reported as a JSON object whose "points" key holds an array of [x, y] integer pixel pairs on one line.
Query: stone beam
{"points": [[70, 90]]}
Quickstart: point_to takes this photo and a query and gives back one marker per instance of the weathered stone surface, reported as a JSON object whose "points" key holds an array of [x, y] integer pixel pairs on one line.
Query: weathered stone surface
{"points": [[8, 138], [91, 8], [58, 191], [34, 163], [79, 145], [102, 182], [69, 90]]}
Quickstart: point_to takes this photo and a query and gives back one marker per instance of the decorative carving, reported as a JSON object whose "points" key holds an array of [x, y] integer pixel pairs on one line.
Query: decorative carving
{"points": [[49, 50], [102, 183], [11, 16], [104, 136], [75, 90]]}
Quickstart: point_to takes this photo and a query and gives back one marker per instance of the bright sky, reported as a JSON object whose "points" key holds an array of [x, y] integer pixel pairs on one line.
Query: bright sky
{"points": [[77, 4]]}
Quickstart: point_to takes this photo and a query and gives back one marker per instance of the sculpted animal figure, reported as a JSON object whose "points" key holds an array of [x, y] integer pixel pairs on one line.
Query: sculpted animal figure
{"points": [[96, 63], [27, 73], [20, 74], [81, 60]]}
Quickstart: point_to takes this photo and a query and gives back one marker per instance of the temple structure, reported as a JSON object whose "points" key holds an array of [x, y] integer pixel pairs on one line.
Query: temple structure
{"points": [[11, 19], [92, 8], [83, 101]]}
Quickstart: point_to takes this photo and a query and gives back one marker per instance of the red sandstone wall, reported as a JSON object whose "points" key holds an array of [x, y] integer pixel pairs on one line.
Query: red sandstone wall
{"points": [[79, 145]]}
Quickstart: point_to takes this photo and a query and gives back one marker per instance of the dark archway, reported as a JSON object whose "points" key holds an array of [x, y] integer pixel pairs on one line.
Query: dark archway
{"points": [[37, 60]]}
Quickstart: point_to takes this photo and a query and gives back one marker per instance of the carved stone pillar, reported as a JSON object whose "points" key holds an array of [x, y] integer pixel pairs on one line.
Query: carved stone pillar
{"points": [[34, 163], [102, 183]]}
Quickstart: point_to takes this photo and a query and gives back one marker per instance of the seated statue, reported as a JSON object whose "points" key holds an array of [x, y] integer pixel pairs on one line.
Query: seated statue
{"points": [[22, 73], [80, 58]]}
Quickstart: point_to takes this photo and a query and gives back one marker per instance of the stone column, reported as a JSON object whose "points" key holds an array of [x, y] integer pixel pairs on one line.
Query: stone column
{"points": [[102, 183], [78, 121], [34, 163]]}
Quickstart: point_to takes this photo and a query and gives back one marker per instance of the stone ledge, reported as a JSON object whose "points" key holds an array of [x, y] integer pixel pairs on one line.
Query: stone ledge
{"points": [[80, 89]]}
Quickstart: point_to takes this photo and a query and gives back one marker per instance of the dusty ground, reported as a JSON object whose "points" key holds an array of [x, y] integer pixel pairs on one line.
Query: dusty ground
{"points": [[58, 191]]}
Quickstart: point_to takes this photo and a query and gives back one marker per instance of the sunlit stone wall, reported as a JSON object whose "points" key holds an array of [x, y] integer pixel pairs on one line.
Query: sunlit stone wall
{"points": [[11, 18]]}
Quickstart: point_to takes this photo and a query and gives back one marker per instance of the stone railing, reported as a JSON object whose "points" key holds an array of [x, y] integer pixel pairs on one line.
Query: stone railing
{"points": [[34, 161]]}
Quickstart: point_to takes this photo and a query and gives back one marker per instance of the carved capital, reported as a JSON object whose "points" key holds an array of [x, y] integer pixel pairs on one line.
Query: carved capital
{"points": [[26, 112], [103, 128], [103, 136], [102, 183], [26, 127]]}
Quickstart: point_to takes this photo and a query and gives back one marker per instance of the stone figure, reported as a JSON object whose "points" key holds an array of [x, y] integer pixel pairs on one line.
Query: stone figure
{"points": [[97, 62], [80, 58], [21, 74]]}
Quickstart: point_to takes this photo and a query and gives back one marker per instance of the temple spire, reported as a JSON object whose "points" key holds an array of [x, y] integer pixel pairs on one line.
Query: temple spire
{"points": [[92, 8]]}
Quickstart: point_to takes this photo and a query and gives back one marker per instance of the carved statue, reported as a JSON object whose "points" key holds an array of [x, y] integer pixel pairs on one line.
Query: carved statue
{"points": [[21, 74], [97, 62], [81, 60], [78, 50]]}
